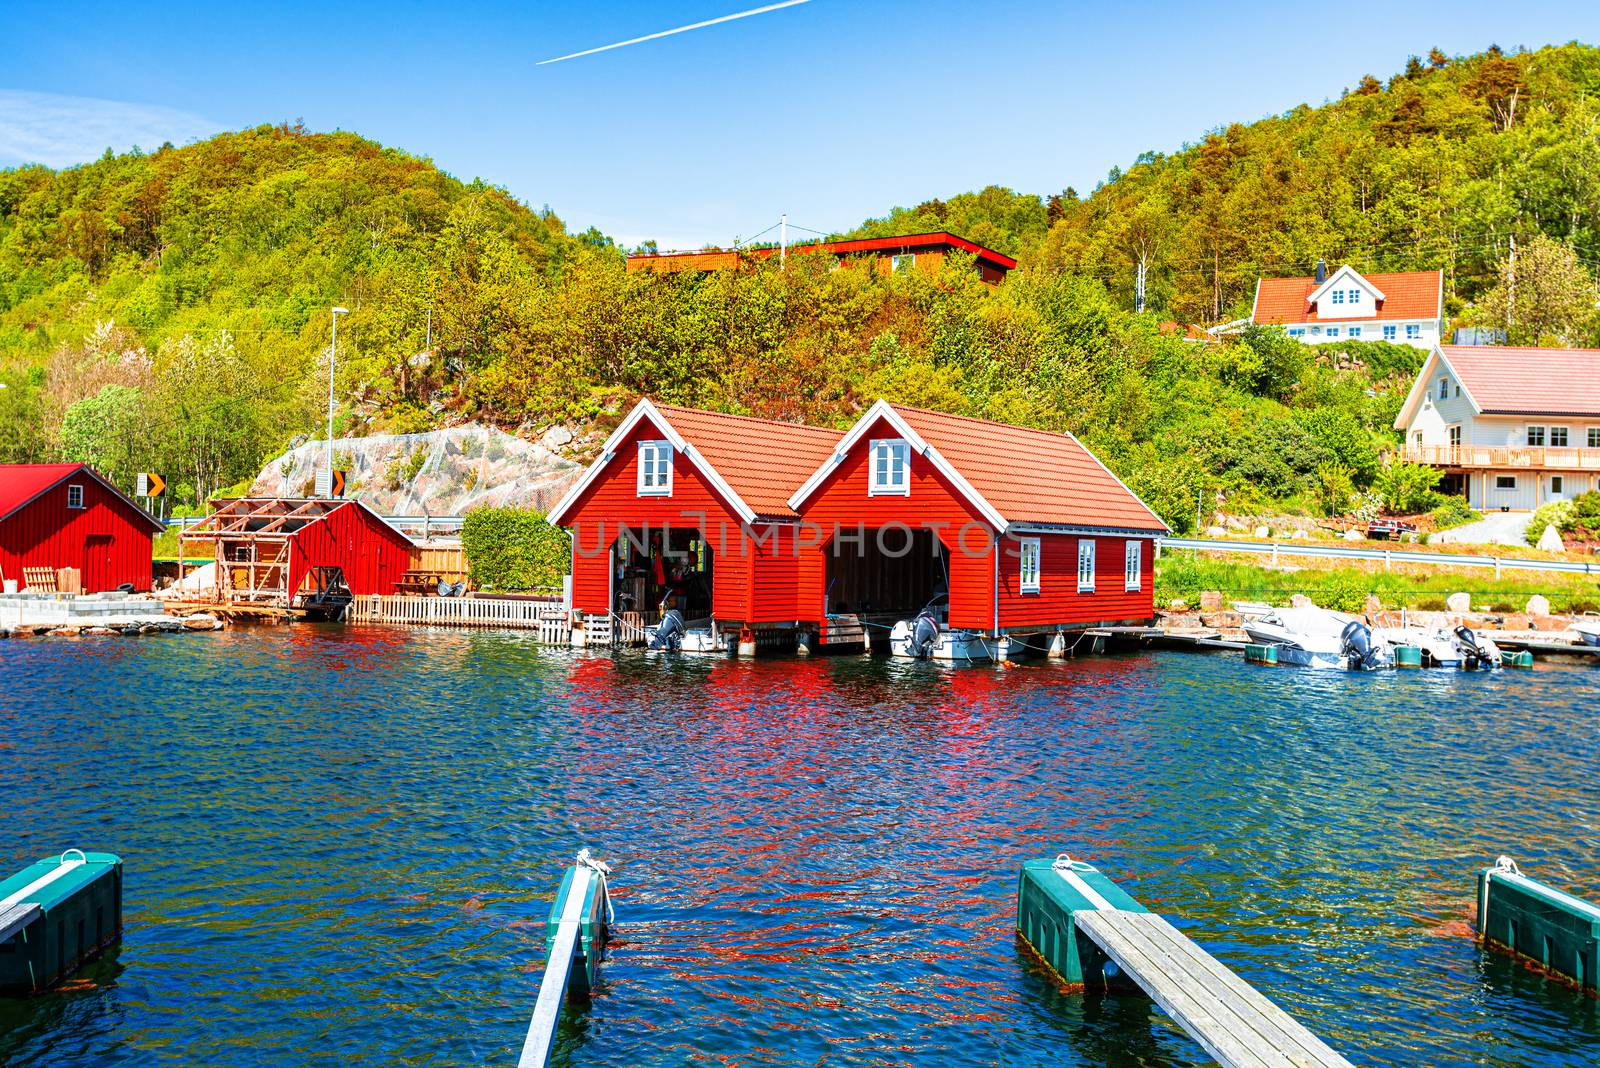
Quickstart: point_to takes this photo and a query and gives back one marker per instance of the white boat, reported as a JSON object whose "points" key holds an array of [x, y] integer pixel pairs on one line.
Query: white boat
{"points": [[1587, 628], [929, 636], [1461, 648], [674, 634], [1317, 637]]}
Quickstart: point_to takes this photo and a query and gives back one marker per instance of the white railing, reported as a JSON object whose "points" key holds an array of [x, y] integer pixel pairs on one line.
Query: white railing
{"points": [[1387, 556], [548, 617]]}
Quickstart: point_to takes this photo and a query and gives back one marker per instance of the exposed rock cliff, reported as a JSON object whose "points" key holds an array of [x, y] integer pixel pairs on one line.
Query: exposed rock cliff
{"points": [[443, 472]]}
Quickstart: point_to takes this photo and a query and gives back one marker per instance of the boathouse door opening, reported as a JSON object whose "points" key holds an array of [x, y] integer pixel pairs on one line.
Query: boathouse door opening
{"points": [[888, 574], [651, 566]]}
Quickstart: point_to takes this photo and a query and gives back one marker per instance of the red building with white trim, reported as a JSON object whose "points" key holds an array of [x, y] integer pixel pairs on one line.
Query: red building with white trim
{"points": [[694, 505], [66, 515], [1025, 530]]}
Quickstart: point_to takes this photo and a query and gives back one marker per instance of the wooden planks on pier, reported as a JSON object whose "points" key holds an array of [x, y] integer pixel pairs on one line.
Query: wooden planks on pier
{"points": [[1234, 1022]]}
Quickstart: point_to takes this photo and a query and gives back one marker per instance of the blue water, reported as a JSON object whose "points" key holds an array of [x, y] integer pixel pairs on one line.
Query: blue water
{"points": [[340, 846]]}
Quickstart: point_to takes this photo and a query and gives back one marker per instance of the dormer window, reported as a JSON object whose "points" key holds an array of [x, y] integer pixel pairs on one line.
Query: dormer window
{"points": [[1338, 296], [74, 496], [655, 468], [891, 468], [1353, 296]]}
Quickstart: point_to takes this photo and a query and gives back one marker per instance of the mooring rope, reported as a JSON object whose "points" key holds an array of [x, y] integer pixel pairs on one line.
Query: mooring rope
{"points": [[601, 870]]}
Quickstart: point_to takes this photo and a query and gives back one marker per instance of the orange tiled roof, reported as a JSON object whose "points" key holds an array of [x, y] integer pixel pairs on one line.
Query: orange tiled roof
{"points": [[1505, 380], [762, 460], [1408, 295], [1032, 476]]}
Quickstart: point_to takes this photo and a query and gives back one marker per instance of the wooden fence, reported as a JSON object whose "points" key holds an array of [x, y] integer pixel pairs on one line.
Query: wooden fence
{"points": [[548, 617]]}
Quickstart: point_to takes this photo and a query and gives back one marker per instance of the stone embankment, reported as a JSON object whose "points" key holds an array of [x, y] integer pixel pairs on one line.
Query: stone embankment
{"points": [[26, 615]]}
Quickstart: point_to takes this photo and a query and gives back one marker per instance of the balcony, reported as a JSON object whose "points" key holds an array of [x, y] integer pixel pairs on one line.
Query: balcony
{"points": [[1509, 457]]}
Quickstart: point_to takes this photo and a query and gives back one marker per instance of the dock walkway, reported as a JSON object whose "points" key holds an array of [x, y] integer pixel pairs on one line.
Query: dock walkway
{"points": [[1232, 1021]]}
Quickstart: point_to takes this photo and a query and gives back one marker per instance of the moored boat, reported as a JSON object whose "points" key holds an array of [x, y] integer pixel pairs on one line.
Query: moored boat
{"points": [[1319, 638]]}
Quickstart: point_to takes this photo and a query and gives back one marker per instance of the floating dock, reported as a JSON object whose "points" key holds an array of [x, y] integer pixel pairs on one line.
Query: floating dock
{"points": [[575, 938], [55, 915], [1083, 924], [1558, 931]]}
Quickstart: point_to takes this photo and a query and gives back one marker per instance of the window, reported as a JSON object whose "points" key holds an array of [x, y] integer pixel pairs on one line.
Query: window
{"points": [[1353, 296], [1333, 331], [891, 458], [1355, 331], [1086, 565], [1444, 389], [1390, 332], [1416, 437], [1535, 437], [1594, 437], [74, 496], [1455, 436], [1297, 331], [1028, 565], [1558, 437], [902, 263], [1316, 331], [1413, 331], [655, 468], [1505, 482], [1338, 296], [1555, 483], [1131, 560]]}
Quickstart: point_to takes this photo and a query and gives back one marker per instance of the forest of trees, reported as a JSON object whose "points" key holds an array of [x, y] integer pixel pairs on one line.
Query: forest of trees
{"points": [[168, 310]]}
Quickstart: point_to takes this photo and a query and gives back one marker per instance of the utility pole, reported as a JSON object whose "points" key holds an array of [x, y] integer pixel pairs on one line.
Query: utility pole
{"points": [[333, 359], [1511, 287]]}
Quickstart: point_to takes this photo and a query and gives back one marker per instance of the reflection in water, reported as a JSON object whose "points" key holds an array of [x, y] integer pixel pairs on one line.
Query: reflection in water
{"points": [[342, 841]]}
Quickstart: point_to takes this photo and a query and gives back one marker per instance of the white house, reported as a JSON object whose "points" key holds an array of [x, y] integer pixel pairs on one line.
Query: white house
{"points": [[1513, 428], [1403, 307]]}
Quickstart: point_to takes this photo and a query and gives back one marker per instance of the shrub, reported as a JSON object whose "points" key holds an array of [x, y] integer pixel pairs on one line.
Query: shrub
{"points": [[1347, 592], [514, 549], [1584, 519], [1557, 514], [1406, 487], [1334, 490], [1452, 511]]}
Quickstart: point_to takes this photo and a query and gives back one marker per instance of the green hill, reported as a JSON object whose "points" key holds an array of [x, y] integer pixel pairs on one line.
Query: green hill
{"points": [[169, 310]]}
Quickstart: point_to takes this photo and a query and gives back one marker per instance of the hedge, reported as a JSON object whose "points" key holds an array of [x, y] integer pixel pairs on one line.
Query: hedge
{"points": [[514, 549]]}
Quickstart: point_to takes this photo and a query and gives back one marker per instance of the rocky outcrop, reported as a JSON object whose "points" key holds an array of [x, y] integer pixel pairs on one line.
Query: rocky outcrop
{"points": [[442, 472]]}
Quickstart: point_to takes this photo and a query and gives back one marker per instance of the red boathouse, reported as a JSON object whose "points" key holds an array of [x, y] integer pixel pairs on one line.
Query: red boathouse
{"points": [[66, 515], [1026, 531], [692, 505]]}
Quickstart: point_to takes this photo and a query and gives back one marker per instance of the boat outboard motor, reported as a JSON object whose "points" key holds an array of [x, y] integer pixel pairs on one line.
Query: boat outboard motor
{"points": [[1358, 645], [669, 632], [924, 632], [1482, 653]]}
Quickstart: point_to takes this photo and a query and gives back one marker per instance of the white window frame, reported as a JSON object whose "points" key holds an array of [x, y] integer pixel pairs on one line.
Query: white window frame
{"points": [[1353, 296], [1297, 331], [1355, 331], [1556, 484], [652, 455], [1527, 437], [1132, 563], [1444, 388], [902, 261], [898, 451], [1413, 331], [1085, 565], [75, 495], [1338, 296], [1499, 479], [1566, 436], [1453, 435], [1028, 557], [1593, 438], [1333, 331], [1391, 333]]}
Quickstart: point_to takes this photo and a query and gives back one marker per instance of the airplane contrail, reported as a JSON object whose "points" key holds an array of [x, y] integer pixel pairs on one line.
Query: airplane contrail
{"points": [[680, 29]]}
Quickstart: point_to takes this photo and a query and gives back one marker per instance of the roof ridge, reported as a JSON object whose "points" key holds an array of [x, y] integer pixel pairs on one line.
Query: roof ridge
{"points": [[986, 422], [664, 407]]}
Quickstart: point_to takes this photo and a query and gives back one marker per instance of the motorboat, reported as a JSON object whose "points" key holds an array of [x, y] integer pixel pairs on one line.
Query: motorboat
{"points": [[1317, 637], [929, 636], [1460, 648], [675, 634], [1587, 628]]}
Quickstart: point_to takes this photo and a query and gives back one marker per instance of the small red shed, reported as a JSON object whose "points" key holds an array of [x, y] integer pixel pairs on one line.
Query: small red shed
{"points": [[265, 548], [67, 515], [1025, 530], [692, 505]]}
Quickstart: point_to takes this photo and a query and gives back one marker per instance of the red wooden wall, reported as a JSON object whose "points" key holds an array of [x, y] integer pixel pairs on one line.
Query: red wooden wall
{"points": [[373, 555], [843, 502], [106, 539], [1058, 600], [612, 502]]}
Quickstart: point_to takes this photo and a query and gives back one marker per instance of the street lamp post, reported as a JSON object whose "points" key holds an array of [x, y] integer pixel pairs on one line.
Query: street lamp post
{"points": [[333, 359]]}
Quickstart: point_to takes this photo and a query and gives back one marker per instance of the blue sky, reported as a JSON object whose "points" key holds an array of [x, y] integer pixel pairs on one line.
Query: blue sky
{"points": [[831, 110]]}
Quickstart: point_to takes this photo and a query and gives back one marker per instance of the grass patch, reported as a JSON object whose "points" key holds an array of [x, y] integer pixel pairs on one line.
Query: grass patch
{"points": [[1184, 575]]}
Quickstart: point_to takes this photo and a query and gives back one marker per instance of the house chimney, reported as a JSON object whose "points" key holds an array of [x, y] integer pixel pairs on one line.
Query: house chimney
{"points": [[1322, 271]]}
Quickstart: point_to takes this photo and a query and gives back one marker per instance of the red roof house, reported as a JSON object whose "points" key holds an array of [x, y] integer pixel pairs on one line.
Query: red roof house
{"points": [[886, 254], [66, 515], [1402, 307], [1025, 530], [692, 505]]}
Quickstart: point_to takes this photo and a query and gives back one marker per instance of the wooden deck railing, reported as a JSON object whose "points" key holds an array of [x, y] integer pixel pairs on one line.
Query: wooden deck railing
{"points": [[1532, 458], [548, 617]]}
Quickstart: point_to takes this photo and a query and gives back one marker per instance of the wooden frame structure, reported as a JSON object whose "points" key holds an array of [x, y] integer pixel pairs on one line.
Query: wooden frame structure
{"points": [[252, 543]]}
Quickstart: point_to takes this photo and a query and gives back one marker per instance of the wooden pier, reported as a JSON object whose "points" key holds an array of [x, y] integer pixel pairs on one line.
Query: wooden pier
{"points": [[575, 940], [547, 616], [1079, 922]]}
